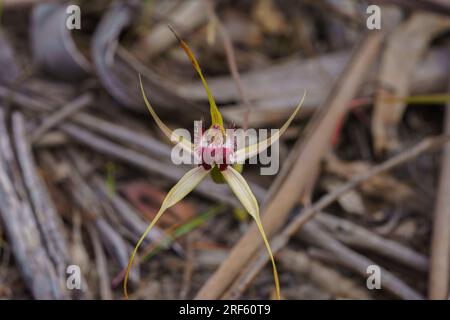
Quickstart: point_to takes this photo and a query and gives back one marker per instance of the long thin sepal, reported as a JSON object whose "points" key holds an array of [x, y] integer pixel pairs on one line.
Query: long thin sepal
{"points": [[245, 153], [216, 117], [242, 191], [183, 187], [185, 144]]}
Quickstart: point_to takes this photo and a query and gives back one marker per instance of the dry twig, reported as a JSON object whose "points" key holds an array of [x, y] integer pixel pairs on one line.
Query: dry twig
{"points": [[361, 238], [440, 243], [23, 232], [47, 218]]}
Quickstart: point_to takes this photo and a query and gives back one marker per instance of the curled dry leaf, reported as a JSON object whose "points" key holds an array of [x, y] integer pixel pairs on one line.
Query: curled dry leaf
{"points": [[53, 47], [117, 69], [351, 202]]}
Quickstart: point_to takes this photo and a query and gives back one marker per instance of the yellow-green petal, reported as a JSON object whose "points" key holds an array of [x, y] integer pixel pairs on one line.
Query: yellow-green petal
{"points": [[242, 191], [183, 187], [245, 153]]}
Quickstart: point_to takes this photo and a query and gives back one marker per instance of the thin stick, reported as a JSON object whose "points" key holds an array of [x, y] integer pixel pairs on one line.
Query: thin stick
{"points": [[101, 262], [440, 243], [49, 221], [58, 116], [86, 198], [356, 262], [356, 236], [34, 264]]}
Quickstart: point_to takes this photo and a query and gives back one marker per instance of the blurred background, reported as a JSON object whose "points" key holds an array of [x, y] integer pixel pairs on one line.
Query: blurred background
{"points": [[360, 208]]}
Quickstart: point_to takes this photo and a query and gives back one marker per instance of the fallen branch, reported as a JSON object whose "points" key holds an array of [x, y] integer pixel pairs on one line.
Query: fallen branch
{"points": [[355, 261], [58, 116], [48, 220], [361, 238], [23, 233]]}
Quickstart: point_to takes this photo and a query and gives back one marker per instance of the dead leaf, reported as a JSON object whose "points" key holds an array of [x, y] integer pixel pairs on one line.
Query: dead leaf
{"points": [[351, 201], [147, 200], [53, 47]]}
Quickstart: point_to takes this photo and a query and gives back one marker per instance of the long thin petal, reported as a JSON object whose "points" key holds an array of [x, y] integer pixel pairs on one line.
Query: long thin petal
{"points": [[242, 191], [186, 184], [216, 117], [245, 153], [186, 145]]}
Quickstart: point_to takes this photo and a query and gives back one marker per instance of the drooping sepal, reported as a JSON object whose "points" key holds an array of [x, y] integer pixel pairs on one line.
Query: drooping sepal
{"points": [[183, 187]]}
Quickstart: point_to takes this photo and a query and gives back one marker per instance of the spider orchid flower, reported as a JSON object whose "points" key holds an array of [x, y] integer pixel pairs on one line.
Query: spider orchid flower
{"points": [[216, 156]]}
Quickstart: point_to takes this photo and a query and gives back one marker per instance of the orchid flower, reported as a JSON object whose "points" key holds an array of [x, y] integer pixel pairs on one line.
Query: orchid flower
{"points": [[214, 141]]}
